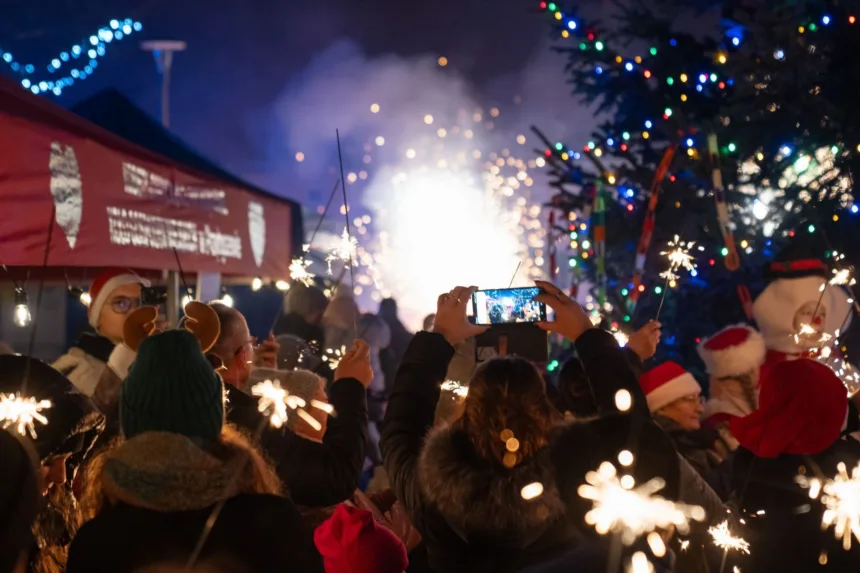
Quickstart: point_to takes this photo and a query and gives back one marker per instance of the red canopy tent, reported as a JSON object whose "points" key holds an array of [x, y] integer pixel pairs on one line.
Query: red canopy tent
{"points": [[114, 203]]}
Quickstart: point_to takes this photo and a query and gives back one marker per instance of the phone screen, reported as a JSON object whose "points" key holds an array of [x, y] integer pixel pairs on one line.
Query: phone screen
{"points": [[507, 305]]}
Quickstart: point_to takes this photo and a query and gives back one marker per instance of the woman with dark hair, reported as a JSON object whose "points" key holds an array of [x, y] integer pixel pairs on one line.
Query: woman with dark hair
{"points": [[462, 483]]}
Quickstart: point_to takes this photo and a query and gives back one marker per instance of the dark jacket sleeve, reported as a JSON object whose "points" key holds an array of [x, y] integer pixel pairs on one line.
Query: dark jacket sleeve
{"points": [[323, 474], [411, 409], [608, 372]]}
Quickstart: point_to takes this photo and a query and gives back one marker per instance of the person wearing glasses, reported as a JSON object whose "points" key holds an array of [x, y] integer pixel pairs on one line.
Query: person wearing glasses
{"points": [[99, 361]]}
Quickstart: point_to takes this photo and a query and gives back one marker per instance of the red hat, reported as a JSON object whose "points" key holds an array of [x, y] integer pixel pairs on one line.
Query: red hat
{"points": [[104, 284], [733, 350], [666, 383], [802, 409], [351, 541]]}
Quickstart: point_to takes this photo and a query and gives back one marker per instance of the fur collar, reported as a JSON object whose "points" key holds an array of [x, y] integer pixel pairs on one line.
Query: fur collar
{"points": [[480, 497], [168, 472]]}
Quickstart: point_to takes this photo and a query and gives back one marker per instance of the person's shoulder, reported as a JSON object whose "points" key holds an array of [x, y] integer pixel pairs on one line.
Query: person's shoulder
{"points": [[262, 504]]}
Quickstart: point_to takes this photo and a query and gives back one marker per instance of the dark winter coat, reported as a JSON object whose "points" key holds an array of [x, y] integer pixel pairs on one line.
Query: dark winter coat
{"points": [[163, 488], [315, 474], [468, 510], [696, 446], [783, 525]]}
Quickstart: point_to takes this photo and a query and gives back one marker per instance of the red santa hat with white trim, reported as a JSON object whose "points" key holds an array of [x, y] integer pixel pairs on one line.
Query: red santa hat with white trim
{"points": [[104, 284], [666, 383], [732, 351]]}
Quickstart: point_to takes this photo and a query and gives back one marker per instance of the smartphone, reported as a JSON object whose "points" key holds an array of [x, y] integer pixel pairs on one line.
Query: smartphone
{"points": [[507, 306]]}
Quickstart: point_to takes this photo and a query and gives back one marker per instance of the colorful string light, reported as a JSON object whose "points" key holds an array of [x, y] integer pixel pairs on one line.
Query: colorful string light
{"points": [[82, 58]]}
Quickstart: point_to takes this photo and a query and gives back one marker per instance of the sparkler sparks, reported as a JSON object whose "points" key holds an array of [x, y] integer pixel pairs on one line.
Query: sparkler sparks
{"points": [[333, 356], [276, 402], [842, 277], [344, 250], [679, 255], [23, 413], [622, 507], [299, 271], [456, 388], [621, 338], [724, 539], [841, 499]]}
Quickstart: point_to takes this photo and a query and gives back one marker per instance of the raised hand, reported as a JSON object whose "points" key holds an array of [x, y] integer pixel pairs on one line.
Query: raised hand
{"points": [[645, 340], [266, 353], [451, 321], [570, 320], [356, 364]]}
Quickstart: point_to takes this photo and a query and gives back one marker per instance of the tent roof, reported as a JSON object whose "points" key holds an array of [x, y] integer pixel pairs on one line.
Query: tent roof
{"points": [[113, 111], [119, 201]]}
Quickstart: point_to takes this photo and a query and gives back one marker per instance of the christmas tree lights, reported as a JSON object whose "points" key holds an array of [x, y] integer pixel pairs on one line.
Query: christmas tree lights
{"points": [[75, 64]]}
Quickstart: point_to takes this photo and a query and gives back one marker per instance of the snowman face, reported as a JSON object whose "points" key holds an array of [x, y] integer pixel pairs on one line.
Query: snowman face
{"points": [[810, 316]]}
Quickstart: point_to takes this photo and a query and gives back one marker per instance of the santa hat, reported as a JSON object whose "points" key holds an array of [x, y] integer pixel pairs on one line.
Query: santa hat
{"points": [[351, 541], [802, 409], [104, 284], [733, 350], [666, 383]]}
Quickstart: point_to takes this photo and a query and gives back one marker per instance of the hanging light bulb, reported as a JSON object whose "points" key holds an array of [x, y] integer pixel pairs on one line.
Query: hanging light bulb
{"points": [[21, 316], [227, 300], [256, 284], [282, 285], [85, 298], [186, 299]]}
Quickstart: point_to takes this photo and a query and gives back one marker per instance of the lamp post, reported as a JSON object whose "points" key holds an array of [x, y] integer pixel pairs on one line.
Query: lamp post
{"points": [[163, 51]]}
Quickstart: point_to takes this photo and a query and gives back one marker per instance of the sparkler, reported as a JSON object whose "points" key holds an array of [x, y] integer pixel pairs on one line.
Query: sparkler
{"points": [[679, 258], [276, 402], [841, 499], [333, 356], [724, 539], [456, 388], [299, 271], [639, 564], [621, 338], [23, 413], [622, 507], [344, 250]]}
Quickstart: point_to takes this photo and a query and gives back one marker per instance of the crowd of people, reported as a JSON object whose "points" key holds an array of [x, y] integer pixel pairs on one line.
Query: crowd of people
{"points": [[159, 454]]}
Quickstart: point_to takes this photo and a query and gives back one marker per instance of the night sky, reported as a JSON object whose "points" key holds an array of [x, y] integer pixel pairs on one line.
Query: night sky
{"points": [[242, 54]]}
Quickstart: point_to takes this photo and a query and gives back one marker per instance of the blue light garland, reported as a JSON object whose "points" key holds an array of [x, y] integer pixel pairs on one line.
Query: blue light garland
{"points": [[85, 54]]}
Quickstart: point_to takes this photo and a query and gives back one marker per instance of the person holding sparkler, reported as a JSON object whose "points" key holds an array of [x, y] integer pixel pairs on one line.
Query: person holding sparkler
{"points": [[794, 440], [39, 403], [322, 466], [182, 485]]}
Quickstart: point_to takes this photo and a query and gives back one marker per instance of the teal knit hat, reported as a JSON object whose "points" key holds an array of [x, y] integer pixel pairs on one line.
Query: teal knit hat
{"points": [[171, 387]]}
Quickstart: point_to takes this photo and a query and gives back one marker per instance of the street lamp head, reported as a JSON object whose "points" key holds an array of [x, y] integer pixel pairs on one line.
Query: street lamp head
{"points": [[163, 45]]}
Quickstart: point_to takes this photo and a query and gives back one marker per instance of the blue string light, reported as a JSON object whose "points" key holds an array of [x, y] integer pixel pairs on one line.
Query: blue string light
{"points": [[116, 30]]}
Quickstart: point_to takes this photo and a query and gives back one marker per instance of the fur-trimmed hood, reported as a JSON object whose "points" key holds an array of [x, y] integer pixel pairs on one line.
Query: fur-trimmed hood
{"points": [[168, 472], [480, 498]]}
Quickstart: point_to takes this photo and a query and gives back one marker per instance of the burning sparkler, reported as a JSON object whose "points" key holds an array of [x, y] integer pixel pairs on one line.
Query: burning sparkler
{"points": [[621, 338], [23, 413], [842, 277], [333, 356], [639, 564], [841, 499], [724, 539], [456, 388], [344, 250], [622, 507], [276, 402], [299, 271], [679, 258]]}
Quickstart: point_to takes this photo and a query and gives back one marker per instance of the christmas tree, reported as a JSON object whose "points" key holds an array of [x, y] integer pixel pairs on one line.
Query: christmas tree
{"points": [[754, 121]]}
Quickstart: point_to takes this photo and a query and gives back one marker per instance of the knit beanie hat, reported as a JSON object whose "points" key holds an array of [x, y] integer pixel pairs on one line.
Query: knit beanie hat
{"points": [[106, 283], [802, 409], [351, 541], [301, 383], [733, 351], [171, 387], [666, 383]]}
